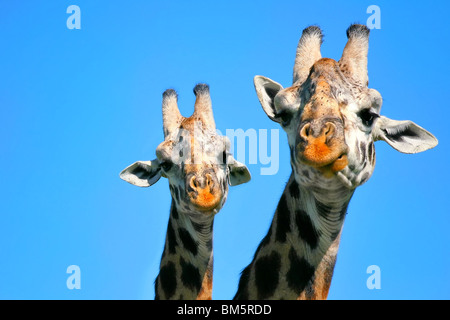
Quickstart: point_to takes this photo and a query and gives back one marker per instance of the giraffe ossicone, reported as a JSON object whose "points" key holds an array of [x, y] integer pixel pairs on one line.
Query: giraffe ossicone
{"points": [[332, 120], [199, 166]]}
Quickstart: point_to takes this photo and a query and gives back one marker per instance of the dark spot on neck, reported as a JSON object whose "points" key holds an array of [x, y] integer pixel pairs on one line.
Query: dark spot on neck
{"points": [[294, 189], [306, 229], [174, 211], [190, 276], [187, 240], [171, 239], [267, 271], [168, 280], [283, 220], [300, 272]]}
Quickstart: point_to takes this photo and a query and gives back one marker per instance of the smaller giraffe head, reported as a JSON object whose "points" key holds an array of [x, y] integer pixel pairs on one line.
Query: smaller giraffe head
{"points": [[193, 157], [331, 117]]}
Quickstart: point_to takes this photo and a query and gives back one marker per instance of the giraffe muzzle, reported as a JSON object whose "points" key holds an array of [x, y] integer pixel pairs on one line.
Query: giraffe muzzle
{"points": [[323, 147], [204, 193]]}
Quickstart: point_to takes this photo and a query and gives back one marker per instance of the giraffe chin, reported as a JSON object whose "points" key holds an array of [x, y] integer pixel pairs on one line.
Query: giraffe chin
{"points": [[330, 169]]}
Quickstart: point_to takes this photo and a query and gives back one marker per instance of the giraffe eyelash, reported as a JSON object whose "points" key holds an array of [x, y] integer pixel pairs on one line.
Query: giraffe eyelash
{"points": [[223, 157], [285, 117], [368, 117], [166, 165]]}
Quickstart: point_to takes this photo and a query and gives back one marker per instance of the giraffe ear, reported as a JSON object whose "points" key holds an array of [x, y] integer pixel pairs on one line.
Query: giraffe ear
{"points": [[266, 90], [238, 173], [403, 136], [142, 173]]}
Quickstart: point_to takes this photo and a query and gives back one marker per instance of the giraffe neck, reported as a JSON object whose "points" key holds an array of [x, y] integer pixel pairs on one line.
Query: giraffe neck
{"points": [[187, 262], [296, 258]]}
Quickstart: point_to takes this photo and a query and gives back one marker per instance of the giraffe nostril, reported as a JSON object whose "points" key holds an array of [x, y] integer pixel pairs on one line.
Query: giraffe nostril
{"points": [[194, 183], [329, 129], [208, 180], [305, 131], [202, 182], [316, 129]]}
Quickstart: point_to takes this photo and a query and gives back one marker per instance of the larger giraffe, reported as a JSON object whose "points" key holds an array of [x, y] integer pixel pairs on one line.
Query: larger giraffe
{"points": [[332, 120], [199, 167]]}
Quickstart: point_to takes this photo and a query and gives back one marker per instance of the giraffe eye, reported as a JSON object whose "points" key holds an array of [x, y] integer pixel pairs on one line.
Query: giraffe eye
{"points": [[285, 118], [166, 165], [224, 157], [367, 117]]}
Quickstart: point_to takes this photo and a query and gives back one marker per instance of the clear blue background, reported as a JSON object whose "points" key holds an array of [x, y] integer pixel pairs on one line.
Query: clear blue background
{"points": [[77, 106]]}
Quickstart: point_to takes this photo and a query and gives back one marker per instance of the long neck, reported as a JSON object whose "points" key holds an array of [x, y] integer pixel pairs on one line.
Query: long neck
{"points": [[296, 258], [186, 267]]}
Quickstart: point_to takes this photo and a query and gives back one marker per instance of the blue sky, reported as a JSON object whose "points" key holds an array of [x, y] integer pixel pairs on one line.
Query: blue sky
{"points": [[78, 106]]}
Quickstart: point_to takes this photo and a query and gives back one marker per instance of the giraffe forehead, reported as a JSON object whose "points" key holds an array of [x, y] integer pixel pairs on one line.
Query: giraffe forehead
{"points": [[191, 123], [326, 78], [198, 131], [325, 66], [324, 90], [324, 102], [193, 134]]}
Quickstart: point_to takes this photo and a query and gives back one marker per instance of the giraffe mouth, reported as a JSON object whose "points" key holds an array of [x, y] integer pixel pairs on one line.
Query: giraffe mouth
{"points": [[204, 200], [337, 165], [328, 161], [207, 198]]}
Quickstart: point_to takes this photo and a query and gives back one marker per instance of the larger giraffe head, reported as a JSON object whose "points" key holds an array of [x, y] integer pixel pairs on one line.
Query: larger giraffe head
{"points": [[195, 159], [331, 117]]}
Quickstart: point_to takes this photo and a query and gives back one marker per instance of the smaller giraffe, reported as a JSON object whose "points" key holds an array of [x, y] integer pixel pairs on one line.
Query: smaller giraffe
{"points": [[198, 164]]}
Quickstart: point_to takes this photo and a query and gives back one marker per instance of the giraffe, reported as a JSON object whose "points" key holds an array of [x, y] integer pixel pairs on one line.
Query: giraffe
{"points": [[198, 164], [332, 120]]}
